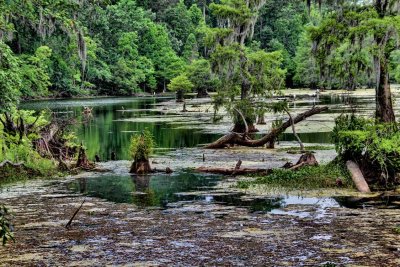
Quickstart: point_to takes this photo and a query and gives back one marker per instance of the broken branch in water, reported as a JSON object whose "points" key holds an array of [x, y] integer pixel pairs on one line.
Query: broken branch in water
{"points": [[73, 216]]}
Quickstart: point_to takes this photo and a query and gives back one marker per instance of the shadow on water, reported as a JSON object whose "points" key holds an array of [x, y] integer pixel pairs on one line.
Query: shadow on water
{"points": [[169, 191], [383, 202], [162, 190]]}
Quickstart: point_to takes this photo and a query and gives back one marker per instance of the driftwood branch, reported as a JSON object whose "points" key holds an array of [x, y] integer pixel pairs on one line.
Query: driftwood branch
{"points": [[234, 171], [294, 131], [73, 216], [9, 163], [232, 139], [307, 159]]}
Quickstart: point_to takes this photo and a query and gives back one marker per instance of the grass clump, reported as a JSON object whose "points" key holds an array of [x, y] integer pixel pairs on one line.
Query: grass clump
{"points": [[309, 177]]}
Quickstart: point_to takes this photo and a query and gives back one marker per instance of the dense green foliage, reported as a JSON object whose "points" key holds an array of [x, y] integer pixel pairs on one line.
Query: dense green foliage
{"points": [[69, 48], [142, 146]]}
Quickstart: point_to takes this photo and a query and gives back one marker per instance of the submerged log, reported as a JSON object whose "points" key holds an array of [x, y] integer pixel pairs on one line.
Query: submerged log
{"points": [[234, 138], [307, 159], [234, 171], [357, 177]]}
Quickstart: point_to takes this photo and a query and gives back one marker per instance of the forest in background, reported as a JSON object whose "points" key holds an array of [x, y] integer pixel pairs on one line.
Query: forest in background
{"points": [[68, 48]]}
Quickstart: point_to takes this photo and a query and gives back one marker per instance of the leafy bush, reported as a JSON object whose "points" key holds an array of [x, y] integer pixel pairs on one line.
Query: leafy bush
{"points": [[375, 145], [5, 226], [142, 145]]}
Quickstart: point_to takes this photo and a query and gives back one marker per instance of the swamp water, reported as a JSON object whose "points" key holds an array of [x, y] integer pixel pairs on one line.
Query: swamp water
{"points": [[114, 120]]}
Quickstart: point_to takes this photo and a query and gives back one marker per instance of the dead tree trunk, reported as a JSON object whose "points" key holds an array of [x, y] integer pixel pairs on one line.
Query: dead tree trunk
{"points": [[233, 138]]}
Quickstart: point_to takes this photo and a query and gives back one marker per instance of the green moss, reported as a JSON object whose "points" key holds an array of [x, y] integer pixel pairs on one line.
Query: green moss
{"points": [[309, 177]]}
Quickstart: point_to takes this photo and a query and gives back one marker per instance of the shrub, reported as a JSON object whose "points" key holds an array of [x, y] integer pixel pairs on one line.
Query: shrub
{"points": [[142, 146]]}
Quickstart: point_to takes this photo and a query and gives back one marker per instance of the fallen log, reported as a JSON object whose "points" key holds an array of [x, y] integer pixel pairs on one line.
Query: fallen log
{"points": [[7, 162], [233, 138], [19, 165], [357, 177], [233, 171]]}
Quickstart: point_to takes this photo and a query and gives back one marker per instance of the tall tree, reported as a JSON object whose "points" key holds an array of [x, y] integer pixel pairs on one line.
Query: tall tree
{"points": [[245, 71], [375, 25]]}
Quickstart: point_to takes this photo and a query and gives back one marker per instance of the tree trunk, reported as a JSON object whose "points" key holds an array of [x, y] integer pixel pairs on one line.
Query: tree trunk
{"points": [[261, 119], [384, 104], [240, 128], [179, 96], [202, 93]]}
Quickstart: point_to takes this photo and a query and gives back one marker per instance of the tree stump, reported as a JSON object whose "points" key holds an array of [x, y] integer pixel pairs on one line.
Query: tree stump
{"points": [[83, 161], [140, 167]]}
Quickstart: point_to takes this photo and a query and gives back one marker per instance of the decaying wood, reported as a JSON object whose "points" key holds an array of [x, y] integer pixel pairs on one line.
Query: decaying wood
{"points": [[73, 216], [234, 171], [307, 159], [141, 167], [9, 163], [233, 138], [357, 177]]}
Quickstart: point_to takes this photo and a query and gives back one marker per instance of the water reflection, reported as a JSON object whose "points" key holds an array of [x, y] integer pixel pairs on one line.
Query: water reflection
{"points": [[108, 128], [143, 191], [114, 120]]}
